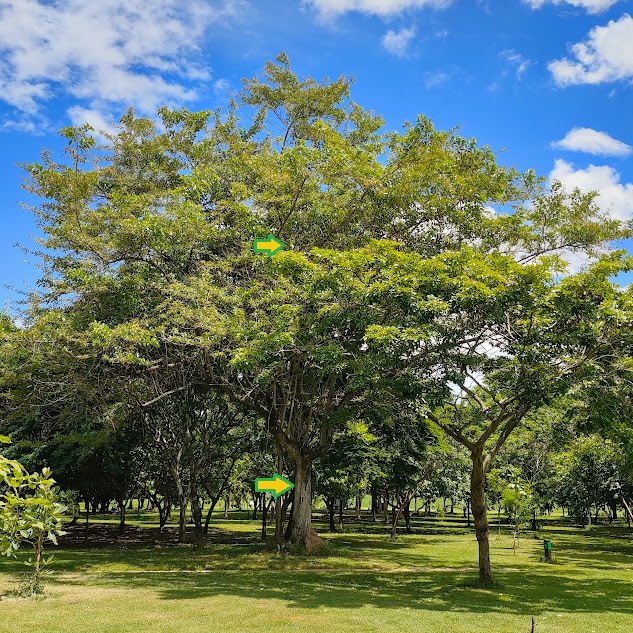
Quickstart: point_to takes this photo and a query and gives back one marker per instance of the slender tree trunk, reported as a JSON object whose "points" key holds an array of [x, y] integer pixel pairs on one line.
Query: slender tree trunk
{"points": [[340, 514], [227, 503], [37, 568], [87, 519], [300, 521], [330, 506], [263, 534], [480, 515], [279, 511], [182, 519], [407, 517], [214, 502], [359, 501], [499, 515], [122, 507], [374, 504], [256, 498]]}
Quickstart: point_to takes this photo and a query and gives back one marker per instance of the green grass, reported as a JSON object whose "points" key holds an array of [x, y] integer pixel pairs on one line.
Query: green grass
{"points": [[423, 582]]}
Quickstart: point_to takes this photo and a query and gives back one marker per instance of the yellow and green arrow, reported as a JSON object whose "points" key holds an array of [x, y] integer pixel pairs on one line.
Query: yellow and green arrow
{"points": [[269, 245], [276, 485]]}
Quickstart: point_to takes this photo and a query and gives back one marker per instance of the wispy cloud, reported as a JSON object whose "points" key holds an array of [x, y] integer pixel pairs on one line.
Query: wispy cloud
{"points": [[384, 8], [606, 55], [103, 53], [591, 6], [397, 42], [520, 63], [585, 139]]}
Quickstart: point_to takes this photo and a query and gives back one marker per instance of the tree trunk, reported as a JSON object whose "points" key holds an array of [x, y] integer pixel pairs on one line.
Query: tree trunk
{"points": [[196, 513], [374, 504], [265, 508], [87, 519], [301, 518], [214, 502], [340, 514], [227, 503], [256, 498], [480, 515], [122, 507], [330, 506], [359, 501], [407, 517], [182, 519]]}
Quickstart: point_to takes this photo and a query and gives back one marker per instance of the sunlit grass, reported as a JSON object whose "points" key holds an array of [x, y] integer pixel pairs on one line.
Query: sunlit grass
{"points": [[423, 582]]}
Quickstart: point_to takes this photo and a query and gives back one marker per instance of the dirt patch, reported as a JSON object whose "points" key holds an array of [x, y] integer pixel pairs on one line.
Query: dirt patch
{"points": [[315, 543]]}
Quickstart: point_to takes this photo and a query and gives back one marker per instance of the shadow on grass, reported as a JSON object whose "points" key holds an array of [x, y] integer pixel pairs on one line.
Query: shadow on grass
{"points": [[524, 593]]}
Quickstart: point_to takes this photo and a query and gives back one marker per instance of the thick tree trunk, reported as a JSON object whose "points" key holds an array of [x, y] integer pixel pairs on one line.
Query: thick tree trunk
{"points": [[196, 513], [301, 518], [480, 515]]}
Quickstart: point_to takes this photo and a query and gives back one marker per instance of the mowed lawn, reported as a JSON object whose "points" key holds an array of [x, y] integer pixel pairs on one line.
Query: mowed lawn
{"points": [[424, 582]]}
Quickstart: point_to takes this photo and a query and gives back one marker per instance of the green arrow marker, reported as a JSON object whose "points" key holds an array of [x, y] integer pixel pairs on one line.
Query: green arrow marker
{"points": [[276, 485], [270, 245]]}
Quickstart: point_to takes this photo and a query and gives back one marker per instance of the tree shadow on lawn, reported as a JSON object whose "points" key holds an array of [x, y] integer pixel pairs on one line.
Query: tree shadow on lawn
{"points": [[521, 593]]}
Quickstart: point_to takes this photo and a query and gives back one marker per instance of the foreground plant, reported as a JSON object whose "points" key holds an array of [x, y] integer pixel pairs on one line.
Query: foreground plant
{"points": [[30, 512]]}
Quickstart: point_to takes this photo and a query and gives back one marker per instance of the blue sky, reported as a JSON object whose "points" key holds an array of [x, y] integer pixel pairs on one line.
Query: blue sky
{"points": [[547, 81]]}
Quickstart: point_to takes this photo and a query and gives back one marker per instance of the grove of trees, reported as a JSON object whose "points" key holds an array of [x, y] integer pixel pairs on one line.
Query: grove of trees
{"points": [[419, 336]]}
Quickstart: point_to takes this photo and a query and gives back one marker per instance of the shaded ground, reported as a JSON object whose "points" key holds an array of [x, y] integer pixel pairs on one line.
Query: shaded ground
{"points": [[423, 582]]}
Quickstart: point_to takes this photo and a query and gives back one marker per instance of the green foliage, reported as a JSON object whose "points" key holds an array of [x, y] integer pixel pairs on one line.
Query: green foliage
{"points": [[30, 512]]}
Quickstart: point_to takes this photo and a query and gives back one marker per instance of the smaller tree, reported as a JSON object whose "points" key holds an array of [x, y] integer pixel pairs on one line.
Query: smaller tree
{"points": [[517, 500], [30, 512]]}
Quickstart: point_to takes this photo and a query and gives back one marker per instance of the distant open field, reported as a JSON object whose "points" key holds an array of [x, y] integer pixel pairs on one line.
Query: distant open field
{"points": [[423, 582]]}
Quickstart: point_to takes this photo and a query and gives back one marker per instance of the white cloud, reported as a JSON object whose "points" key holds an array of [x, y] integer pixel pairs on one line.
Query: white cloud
{"points": [[614, 197], [592, 6], [105, 52], [584, 139], [331, 8], [100, 121], [606, 55], [397, 42]]}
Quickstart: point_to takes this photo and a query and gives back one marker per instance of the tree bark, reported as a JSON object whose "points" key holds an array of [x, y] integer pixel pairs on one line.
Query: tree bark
{"points": [[301, 518], [122, 508], [407, 517], [480, 515], [359, 500], [330, 507]]}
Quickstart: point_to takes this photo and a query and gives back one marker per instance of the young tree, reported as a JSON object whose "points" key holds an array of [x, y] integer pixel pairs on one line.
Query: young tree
{"points": [[30, 512]]}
